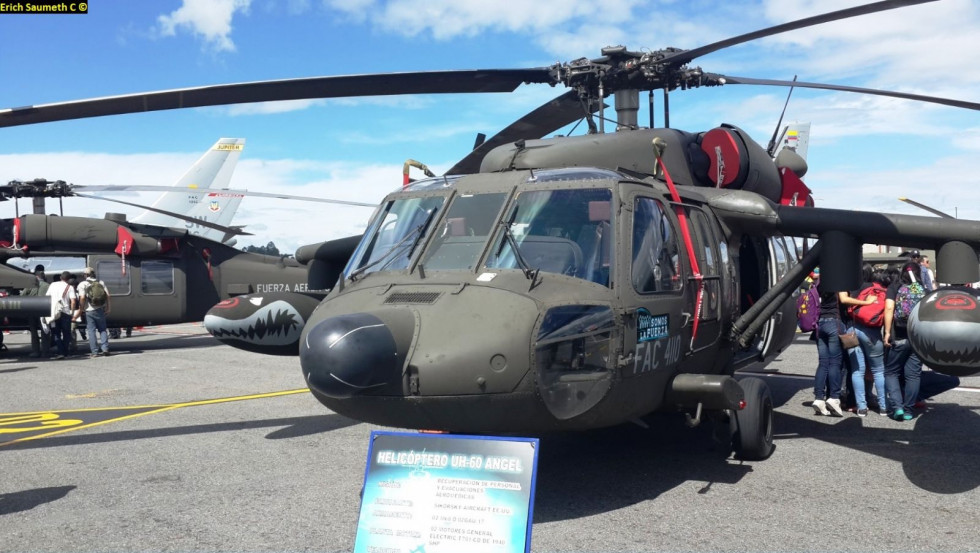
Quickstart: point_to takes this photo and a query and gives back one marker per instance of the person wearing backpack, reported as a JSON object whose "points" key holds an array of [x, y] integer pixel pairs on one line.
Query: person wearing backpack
{"points": [[63, 304], [94, 300], [866, 309], [901, 298]]}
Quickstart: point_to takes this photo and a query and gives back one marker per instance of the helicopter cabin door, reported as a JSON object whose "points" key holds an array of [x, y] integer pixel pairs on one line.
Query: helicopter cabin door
{"points": [[763, 261], [654, 291], [143, 291], [781, 327], [704, 292]]}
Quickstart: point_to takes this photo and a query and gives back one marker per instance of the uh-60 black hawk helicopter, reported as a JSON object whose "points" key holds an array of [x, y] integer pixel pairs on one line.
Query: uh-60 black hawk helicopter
{"points": [[572, 282]]}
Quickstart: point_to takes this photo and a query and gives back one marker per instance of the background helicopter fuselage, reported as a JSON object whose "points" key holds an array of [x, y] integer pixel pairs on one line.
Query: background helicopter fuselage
{"points": [[155, 275]]}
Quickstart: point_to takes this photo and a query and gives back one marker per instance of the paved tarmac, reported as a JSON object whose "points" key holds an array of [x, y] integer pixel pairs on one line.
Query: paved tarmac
{"points": [[152, 457]]}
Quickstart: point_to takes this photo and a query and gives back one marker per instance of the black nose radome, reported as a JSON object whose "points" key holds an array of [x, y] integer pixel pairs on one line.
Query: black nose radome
{"points": [[346, 355]]}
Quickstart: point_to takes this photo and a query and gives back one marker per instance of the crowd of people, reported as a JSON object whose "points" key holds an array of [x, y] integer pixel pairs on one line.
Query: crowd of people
{"points": [[865, 360], [78, 310]]}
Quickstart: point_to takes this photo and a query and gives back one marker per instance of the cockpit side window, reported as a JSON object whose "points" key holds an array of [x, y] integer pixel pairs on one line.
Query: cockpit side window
{"points": [[656, 259]]}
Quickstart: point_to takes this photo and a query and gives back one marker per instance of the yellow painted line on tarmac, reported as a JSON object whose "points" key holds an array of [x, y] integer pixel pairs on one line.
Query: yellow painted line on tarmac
{"points": [[43, 424]]}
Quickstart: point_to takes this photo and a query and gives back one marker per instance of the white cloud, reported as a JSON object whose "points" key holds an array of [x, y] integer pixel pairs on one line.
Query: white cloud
{"points": [[890, 49], [946, 184], [209, 19], [447, 19]]}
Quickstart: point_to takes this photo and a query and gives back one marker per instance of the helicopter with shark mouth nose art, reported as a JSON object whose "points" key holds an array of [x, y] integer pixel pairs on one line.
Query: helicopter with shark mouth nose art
{"points": [[572, 282]]}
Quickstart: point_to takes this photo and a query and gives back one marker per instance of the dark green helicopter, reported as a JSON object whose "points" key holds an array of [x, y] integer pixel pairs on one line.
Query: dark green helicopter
{"points": [[571, 282]]}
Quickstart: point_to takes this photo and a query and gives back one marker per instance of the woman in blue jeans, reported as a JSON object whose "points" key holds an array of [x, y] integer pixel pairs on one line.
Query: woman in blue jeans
{"points": [[827, 381], [871, 352], [902, 360]]}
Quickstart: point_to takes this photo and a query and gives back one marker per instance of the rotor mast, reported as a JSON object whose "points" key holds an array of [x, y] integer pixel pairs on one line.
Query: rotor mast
{"points": [[627, 107]]}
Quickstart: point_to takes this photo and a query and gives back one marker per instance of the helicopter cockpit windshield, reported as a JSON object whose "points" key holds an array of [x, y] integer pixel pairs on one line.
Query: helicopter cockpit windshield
{"points": [[394, 235], [567, 231], [471, 219]]}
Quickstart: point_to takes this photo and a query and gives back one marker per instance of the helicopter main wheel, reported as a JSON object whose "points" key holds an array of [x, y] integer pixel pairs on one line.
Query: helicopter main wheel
{"points": [[752, 436]]}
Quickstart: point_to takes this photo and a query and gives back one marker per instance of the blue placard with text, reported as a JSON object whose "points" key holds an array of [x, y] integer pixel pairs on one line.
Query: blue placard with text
{"points": [[432, 493]]}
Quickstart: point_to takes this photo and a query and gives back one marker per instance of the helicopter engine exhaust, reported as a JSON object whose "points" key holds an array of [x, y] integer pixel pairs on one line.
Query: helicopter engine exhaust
{"points": [[269, 323]]}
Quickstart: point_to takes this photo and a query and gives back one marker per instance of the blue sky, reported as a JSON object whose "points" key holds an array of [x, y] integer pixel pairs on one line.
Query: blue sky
{"points": [[865, 152]]}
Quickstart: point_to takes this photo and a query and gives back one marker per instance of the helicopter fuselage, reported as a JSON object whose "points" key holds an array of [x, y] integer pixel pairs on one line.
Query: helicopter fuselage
{"points": [[532, 301]]}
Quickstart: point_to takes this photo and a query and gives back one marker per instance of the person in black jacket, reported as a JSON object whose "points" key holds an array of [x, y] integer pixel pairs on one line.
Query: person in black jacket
{"points": [[828, 379]]}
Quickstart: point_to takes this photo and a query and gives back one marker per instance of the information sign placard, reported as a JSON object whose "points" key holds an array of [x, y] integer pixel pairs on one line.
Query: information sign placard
{"points": [[432, 493]]}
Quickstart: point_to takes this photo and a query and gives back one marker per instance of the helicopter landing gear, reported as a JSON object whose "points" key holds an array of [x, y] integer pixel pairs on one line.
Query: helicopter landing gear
{"points": [[752, 426]]}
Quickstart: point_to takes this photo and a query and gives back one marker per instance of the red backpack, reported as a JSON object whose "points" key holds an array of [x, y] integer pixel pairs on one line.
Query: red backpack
{"points": [[870, 315]]}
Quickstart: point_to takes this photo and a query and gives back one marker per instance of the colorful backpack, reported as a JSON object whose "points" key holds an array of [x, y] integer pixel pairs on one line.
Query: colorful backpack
{"points": [[906, 298], [870, 315], [808, 308]]}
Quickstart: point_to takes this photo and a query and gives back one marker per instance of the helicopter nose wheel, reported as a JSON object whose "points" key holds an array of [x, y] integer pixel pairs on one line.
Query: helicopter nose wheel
{"points": [[752, 426]]}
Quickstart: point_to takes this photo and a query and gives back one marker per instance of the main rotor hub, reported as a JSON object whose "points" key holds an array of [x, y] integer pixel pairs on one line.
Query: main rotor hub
{"points": [[620, 69]]}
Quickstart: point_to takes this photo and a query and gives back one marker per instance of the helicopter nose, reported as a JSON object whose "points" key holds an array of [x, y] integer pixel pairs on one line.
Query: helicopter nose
{"points": [[346, 355]]}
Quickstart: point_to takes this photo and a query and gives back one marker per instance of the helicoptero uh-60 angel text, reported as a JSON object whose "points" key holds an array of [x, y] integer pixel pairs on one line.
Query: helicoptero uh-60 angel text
{"points": [[581, 281]]}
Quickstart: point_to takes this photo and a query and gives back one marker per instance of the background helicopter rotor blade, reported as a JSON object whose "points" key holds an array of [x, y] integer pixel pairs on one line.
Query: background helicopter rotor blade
{"points": [[378, 84], [726, 79], [681, 58], [150, 188], [230, 231], [933, 210], [547, 118]]}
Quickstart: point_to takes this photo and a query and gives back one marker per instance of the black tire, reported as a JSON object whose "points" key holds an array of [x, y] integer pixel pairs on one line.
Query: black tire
{"points": [[752, 440]]}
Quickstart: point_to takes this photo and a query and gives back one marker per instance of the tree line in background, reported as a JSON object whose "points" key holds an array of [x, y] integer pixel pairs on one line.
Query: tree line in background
{"points": [[268, 249]]}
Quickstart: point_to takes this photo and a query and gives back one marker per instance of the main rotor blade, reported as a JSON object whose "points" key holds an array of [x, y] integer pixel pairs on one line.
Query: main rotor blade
{"points": [[904, 95], [376, 84], [229, 231], [942, 214], [547, 118], [681, 58], [195, 190]]}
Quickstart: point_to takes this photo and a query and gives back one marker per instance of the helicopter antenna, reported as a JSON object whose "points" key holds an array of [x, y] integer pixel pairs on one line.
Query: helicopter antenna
{"points": [[771, 149], [602, 108]]}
